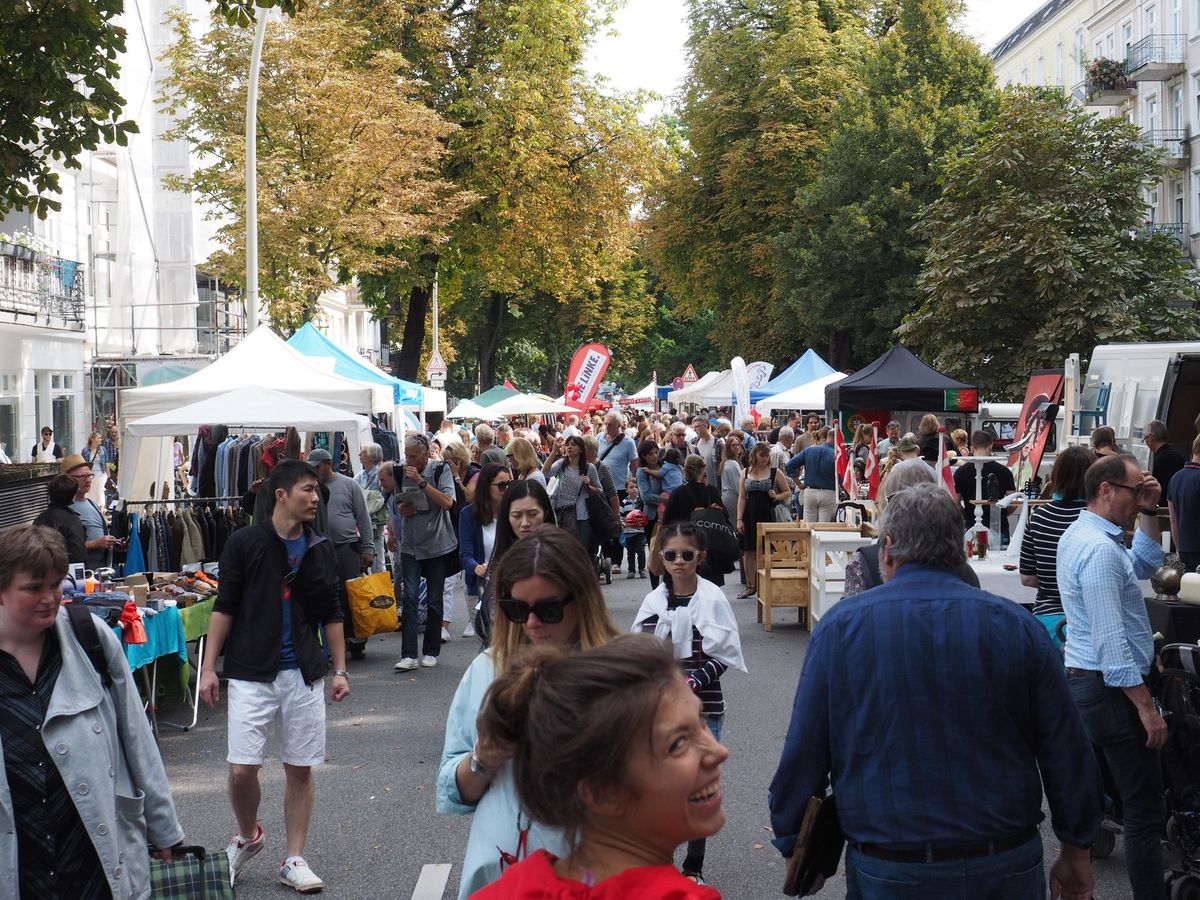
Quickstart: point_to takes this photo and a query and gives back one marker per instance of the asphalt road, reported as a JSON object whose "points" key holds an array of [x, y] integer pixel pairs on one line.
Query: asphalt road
{"points": [[375, 826]]}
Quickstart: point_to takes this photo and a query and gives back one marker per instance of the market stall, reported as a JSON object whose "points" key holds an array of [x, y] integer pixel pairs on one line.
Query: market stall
{"points": [[807, 369], [899, 380], [803, 397]]}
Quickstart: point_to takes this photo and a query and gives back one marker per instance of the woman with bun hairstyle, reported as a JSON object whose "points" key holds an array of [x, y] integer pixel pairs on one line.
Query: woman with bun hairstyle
{"points": [[610, 748], [541, 600]]}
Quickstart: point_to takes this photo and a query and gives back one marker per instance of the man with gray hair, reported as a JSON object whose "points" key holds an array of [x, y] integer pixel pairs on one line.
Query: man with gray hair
{"points": [[964, 698], [485, 439], [1165, 459], [504, 434]]}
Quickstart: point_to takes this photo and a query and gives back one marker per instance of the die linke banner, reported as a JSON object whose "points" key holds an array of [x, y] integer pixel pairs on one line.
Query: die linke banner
{"points": [[587, 371]]}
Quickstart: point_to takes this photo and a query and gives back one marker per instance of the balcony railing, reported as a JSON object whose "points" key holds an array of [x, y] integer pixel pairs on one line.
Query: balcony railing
{"points": [[44, 286], [1156, 57], [1172, 143], [1178, 230], [1107, 91]]}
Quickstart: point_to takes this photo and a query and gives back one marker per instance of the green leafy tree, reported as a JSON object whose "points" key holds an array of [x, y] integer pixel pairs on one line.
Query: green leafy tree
{"points": [[765, 80], [851, 260], [57, 97], [1036, 248]]}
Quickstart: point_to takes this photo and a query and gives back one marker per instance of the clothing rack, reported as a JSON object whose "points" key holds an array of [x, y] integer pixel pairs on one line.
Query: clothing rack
{"points": [[179, 500]]}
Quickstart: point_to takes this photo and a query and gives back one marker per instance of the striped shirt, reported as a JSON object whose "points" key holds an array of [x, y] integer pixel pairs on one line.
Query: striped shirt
{"points": [[703, 673], [1039, 550]]}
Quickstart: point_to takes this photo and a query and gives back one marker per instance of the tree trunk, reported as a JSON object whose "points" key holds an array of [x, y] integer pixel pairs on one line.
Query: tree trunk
{"points": [[839, 348], [406, 363], [489, 341]]}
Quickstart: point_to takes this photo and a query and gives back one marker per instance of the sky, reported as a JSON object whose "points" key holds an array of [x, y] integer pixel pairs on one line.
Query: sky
{"points": [[647, 49]]}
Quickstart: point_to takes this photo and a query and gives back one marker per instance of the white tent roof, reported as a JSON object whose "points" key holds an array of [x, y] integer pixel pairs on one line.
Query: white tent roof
{"points": [[261, 360], [692, 393], [805, 396], [469, 409], [644, 397], [529, 405], [248, 408]]}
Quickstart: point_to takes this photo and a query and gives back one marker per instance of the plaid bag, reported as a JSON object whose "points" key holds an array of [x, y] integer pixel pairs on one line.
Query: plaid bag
{"points": [[194, 874]]}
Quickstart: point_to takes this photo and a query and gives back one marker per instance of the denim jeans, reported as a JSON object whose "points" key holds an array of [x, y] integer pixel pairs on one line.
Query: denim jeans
{"points": [[349, 563], [1015, 874], [1113, 724], [434, 571]]}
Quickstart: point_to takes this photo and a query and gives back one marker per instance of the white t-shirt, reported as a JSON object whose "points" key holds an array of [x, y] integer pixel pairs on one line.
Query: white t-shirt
{"points": [[489, 539]]}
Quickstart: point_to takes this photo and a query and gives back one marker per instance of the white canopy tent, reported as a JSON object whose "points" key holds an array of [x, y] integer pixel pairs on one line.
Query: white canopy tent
{"points": [[643, 399], [247, 408], [469, 409], [529, 405], [261, 360], [693, 392], [805, 396]]}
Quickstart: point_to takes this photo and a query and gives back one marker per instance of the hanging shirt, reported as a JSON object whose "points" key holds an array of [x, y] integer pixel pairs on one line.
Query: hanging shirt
{"points": [[296, 549]]}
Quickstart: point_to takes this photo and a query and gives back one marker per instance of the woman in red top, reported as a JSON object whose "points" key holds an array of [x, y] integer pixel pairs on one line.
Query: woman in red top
{"points": [[609, 745]]}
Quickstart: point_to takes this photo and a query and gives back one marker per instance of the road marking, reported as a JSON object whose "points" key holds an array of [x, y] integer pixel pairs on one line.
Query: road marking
{"points": [[432, 883]]}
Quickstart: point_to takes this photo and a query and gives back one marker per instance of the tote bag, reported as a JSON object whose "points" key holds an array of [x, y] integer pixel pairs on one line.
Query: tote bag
{"points": [[372, 604]]}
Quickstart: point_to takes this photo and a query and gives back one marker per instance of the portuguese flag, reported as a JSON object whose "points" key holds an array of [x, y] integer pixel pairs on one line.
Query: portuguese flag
{"points": [[963, 400]]}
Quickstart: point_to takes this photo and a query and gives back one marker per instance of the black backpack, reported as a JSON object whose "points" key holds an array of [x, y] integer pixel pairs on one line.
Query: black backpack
{"points": [[83, 623]]}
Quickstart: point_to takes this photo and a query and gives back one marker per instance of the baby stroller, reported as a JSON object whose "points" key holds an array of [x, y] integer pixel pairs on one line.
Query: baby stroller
{"points": [[1178, 695]]}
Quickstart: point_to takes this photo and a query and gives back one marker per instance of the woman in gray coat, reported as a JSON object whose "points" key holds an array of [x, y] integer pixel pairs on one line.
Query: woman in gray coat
{"points": [[84, 799]]}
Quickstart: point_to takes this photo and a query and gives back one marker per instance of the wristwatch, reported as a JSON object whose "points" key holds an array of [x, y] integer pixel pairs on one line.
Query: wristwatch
{"points": [[477, 766], [1148, 510], [422, 485], [343, 673]]}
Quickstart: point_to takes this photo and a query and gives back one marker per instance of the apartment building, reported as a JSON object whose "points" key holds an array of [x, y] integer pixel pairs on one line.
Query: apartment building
{"points": [[1153, 82]]}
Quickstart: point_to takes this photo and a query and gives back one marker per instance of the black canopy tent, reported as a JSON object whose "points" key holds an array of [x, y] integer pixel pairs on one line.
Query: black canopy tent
{"points": [[899, 380]]}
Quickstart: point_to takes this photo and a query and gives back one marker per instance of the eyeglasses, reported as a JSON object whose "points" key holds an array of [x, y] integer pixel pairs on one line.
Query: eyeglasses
{"points": [[549, 612], [501, 486], [685, 555], [1137, 489]]}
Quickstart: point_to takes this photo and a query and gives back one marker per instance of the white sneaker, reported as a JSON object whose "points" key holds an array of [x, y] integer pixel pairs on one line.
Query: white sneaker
{"points": [[296, 874], [446, 634], [616, 570], [405, 665], [428, 662], [469, 631], [241, 852]]}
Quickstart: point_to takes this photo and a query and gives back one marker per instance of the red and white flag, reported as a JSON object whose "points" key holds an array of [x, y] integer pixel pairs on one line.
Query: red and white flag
{"points": [[843, 471], [945, 474], [871, 474]]}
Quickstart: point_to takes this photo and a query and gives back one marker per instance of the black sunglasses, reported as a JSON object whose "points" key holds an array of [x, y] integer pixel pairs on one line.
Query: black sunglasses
{"points": [[501, 486], [685, 555], [549, 612]]}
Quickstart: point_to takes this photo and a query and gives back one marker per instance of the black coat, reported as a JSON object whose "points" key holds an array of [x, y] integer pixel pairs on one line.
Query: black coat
{"points": [[253, 567], [66, 522]]}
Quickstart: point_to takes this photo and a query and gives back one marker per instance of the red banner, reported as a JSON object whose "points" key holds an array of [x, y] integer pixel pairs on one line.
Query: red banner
{"points": [[587, 371], [1033, 428]]}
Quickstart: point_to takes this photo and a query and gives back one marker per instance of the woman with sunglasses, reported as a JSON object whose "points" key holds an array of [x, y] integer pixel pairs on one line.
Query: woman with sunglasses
{"points": [[694, 615], [542, 601], [477, 525], [524, 460], [610, 747]]}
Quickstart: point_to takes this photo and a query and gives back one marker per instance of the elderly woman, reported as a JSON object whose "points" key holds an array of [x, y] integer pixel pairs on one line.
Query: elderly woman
{"points": [[543, 602], [371, 456], [862, 569], [523, 459], [86, 798]]}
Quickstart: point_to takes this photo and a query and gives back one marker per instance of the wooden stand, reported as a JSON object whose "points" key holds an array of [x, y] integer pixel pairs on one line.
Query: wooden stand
{"points": [[783, 566]]}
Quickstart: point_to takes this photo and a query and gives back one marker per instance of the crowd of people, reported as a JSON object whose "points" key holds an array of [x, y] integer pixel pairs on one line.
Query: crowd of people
{"points": [[586, 757]]}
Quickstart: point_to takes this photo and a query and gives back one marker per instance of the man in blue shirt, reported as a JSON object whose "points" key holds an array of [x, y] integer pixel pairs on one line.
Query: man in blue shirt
{"points": [[939, 712], [1111, 648], [819, 482], [618, 451]]}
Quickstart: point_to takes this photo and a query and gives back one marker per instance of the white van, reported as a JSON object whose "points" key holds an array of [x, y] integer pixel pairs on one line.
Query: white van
{"points": [[1144, 382]]}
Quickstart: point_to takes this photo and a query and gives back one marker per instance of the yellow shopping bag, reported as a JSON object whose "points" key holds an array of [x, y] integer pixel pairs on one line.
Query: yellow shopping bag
{"points": [[372, 604]]}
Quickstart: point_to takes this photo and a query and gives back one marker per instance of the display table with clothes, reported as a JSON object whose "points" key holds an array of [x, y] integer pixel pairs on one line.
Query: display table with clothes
{"points": [[194, 627], [1178, 623]]}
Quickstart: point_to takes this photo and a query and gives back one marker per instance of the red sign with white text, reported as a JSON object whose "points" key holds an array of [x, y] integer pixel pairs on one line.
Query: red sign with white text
{"points": [[587, 371]]}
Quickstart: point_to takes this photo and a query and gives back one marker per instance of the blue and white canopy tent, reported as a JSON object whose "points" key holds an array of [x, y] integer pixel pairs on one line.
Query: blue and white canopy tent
{"points": [[807, 369]]}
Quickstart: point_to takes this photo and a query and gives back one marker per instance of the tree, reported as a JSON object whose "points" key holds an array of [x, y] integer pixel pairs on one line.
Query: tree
{"points": [[1036, 248], [851, 260], [765, 80], [57, 97], [349, 155]]}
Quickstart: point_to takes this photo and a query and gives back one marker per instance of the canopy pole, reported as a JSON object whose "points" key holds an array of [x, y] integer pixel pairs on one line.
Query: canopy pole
{"points": [[260, 32]]}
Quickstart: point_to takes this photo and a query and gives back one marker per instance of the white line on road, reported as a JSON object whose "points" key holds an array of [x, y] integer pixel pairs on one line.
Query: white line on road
{"points": [[432, 883]]}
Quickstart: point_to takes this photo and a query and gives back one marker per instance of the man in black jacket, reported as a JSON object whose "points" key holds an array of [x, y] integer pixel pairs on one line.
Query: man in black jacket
{"points": [[279, 586]]}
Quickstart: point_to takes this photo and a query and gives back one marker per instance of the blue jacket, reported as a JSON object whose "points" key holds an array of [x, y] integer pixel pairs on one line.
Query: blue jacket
{"points": [[470, 547]]}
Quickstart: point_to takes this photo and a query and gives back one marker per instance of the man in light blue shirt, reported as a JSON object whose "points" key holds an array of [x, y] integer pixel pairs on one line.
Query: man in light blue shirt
{"points": [[1110, 648], [819, 480]]}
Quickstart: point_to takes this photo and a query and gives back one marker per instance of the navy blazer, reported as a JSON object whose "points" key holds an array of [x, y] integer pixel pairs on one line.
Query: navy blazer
{"points": [[470, 547]]}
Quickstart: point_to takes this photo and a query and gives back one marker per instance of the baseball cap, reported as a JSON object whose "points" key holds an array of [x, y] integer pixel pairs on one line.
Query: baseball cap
{"points": [[74, 461], [319, 456]]}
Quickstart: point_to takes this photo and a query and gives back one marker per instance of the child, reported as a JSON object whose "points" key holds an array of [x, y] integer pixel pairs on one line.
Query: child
{"points": [[694, 615], [633, 522]]}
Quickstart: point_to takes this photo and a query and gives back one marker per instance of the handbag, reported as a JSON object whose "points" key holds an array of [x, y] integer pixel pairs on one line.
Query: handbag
{"points": [[724, 548], [606, 524], [193, 874], [372, 604], [781, 513]]}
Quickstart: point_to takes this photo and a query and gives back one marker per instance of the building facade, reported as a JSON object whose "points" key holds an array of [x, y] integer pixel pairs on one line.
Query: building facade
{"points": [[1148, 54]]}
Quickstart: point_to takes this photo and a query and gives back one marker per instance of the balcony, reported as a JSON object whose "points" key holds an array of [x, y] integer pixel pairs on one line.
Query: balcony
{"points": [[42, 287], [1171, 144], [1157, 57], [1107, 91], [1177, 230]]}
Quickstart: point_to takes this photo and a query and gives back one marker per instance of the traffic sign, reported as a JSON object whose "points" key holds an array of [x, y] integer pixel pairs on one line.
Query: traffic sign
{"points": [[689, 375], [678, 384], [437, 365]]}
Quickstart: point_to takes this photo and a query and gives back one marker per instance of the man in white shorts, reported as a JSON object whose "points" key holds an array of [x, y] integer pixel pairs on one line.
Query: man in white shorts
{"points": [[279, 587]]}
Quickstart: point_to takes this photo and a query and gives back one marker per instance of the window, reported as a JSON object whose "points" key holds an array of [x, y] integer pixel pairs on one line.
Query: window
{"points": [[1196, 199], [1153, 114], [1178, 200], [1177, 107], [1041, 71], [1152, 204], [1127, 35], [1150, 19], [9, 417], [1195, 17], [1025, 75], [1080, 52], [1176, 13], [1060, 72], [62, 409]]}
